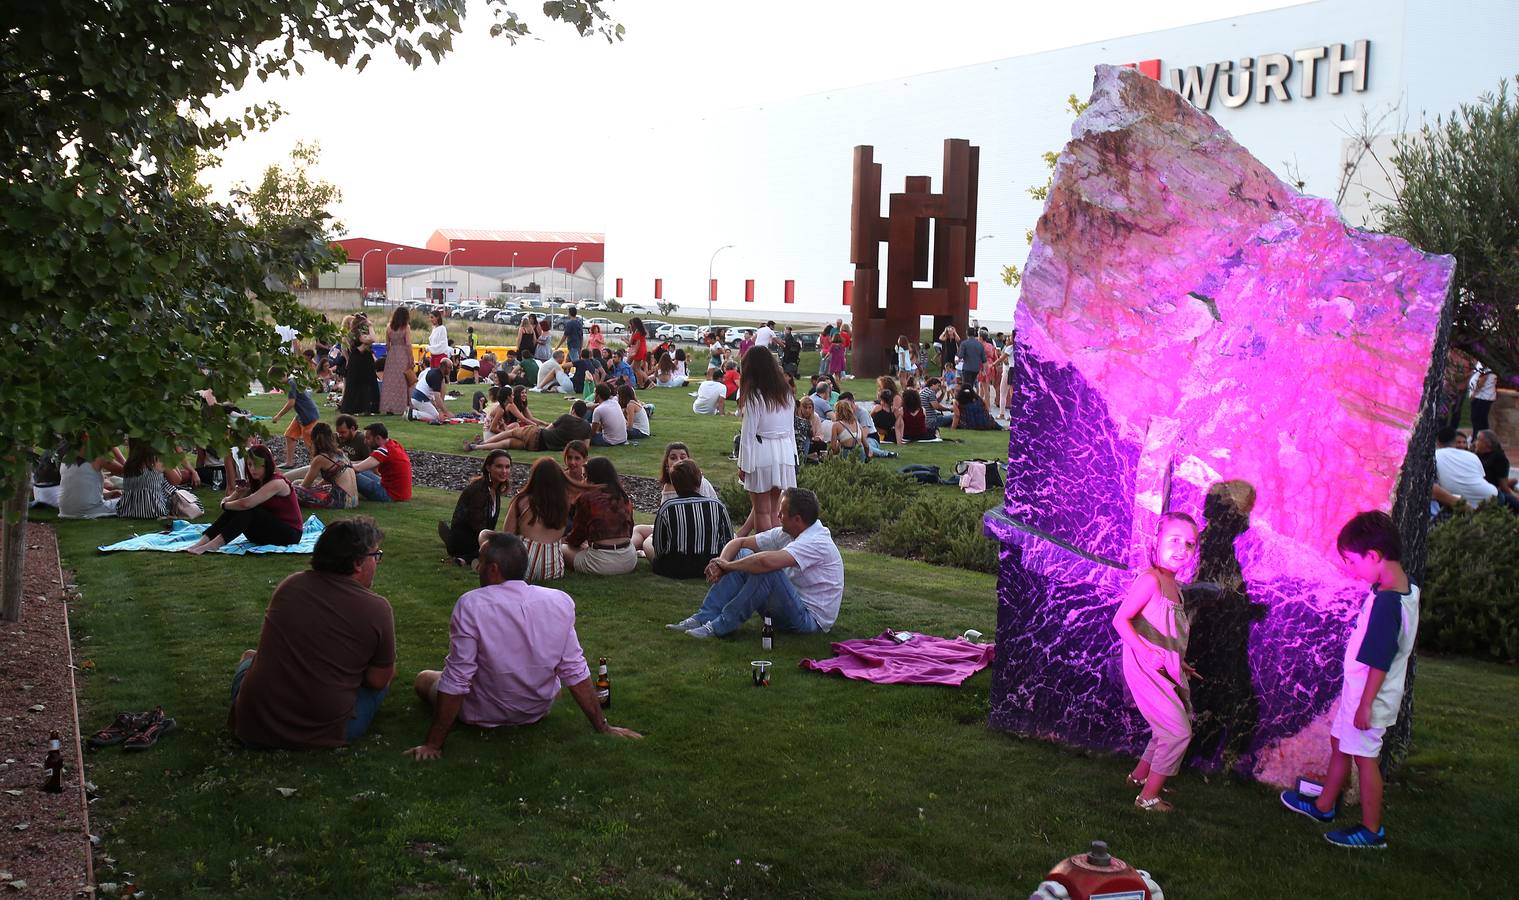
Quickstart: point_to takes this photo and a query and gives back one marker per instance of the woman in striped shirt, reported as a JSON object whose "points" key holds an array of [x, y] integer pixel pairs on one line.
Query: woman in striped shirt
{"points": [[145, 492], [689, 530]]}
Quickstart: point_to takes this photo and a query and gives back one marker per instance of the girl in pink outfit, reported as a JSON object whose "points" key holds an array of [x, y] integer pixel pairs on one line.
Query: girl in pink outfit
{"points": [[1153, 628]]}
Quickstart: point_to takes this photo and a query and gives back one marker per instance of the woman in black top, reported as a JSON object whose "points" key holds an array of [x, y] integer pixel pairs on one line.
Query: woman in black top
{"points": [[361, 387], [478, 509]]}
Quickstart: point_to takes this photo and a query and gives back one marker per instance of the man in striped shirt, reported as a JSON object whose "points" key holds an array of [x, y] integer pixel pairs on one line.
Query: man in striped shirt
{"points": [[690, 529]]}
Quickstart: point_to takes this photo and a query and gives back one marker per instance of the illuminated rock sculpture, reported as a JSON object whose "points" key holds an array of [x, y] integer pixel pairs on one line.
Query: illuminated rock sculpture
{"points": [[1194, 335]]}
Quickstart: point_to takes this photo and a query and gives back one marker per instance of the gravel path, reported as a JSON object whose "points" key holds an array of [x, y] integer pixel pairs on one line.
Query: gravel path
{"points": [[43, 843], [451, 472]]}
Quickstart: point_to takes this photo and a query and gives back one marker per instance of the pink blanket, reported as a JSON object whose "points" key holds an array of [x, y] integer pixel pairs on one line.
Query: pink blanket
{"points": [[924, 659]]}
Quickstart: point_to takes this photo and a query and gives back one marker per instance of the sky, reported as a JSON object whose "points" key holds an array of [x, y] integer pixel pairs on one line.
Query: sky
{"points": [[516, 137]]}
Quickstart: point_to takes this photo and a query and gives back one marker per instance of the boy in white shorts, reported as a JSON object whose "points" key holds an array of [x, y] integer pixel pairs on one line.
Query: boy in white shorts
{"points": [[1376, 669]]}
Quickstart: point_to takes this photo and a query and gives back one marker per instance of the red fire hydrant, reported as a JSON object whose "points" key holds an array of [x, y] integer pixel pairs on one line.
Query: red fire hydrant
{"points": [[1095, 875]]}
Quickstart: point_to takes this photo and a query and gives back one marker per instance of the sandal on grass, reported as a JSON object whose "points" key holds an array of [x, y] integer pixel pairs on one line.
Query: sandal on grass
{"points": [[125, 726], [1153, 805], [154, 726]]}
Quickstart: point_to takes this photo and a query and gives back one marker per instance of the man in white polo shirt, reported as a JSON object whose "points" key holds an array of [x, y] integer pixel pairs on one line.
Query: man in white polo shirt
{"points": [[1459, 471], [793, 574], [765, 336]]}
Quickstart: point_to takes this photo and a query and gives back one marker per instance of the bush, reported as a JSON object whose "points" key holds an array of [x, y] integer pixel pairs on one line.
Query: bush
{"points": [[1470, 598], [942, 529], [851, 496]]}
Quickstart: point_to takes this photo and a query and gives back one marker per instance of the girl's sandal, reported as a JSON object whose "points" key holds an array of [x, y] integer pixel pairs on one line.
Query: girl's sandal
{"points": [[1154, 805]]}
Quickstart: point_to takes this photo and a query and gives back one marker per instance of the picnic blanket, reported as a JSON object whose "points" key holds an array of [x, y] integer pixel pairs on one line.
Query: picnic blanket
{"points": [[185, 534], [923, 659]]}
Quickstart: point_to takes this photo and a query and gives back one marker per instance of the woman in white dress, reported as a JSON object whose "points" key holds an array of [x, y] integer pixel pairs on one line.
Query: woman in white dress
{"points": [[767, 442]]}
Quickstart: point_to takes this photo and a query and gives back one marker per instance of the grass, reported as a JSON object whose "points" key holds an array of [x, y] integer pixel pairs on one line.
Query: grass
{"points": [[709, 437], [815, 786]]}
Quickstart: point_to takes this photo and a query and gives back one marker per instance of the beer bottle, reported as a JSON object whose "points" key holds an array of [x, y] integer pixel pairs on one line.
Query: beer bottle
{"points": [[767, 635], [603, 684], [52, 768]]}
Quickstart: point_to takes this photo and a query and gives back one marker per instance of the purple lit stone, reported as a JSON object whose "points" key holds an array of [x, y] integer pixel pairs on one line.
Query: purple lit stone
{"points": [[1187, 319]]}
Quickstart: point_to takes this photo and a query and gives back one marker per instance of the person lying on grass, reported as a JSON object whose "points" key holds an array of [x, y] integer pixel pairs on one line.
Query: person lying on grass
{"points": [[512, 647]]}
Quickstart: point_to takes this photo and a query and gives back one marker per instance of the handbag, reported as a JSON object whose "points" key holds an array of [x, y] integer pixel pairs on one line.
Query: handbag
{"points": [[185, 505]]}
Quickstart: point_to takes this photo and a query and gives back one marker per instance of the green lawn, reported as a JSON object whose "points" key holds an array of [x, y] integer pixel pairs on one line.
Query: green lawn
{"points": [[815, 786], [709, 437]]}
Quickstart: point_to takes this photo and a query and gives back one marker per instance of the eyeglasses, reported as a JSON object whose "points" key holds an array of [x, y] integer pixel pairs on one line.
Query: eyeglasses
{"points": [[378, 555]]}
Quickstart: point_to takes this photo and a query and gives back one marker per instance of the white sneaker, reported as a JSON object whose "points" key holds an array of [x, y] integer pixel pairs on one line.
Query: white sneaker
{"points": [[684, 624], [701, 631]]}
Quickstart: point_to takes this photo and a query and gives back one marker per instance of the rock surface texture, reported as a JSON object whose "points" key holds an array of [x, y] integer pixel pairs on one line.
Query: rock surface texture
{"points": [[1194, 335]]}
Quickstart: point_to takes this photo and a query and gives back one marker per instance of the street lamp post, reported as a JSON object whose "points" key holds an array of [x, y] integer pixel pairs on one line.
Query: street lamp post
{"points": [[555, 257], [514, 271], [451, 252], [387, 273], [362, 260], [709, 281]]}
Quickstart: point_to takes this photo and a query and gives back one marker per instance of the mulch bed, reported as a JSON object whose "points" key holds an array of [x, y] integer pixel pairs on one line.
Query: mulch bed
{"points": [[43, 837], [452, 471]]}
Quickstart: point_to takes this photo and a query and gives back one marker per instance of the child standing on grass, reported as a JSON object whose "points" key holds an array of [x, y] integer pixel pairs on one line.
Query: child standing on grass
{"points": [[1153, 628], [1376, 665]]}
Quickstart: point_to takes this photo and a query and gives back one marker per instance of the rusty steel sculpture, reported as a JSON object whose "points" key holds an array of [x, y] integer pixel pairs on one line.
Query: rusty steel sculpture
{"points": [[905, 231]]}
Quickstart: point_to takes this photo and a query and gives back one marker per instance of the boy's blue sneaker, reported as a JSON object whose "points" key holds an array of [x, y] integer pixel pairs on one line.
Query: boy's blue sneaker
{"points": [[1301, 804], [1359, 838]]}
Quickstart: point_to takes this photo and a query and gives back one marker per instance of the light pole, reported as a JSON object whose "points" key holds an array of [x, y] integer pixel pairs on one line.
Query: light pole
{"points": [[387, 272], [514, 272], [451, 252], [709, 281], [556, 256], [362, 260]]}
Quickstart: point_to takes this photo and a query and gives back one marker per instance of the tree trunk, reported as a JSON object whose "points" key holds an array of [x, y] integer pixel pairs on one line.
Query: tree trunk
{"points": [[13, 551]]}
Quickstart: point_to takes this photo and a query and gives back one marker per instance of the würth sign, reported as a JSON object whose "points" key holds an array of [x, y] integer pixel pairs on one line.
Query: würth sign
{"points": [[1269, 76]]}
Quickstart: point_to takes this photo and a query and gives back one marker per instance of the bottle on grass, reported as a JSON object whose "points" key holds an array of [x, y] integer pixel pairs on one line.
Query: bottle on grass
{"points": [[603, 684], [52, 767]]}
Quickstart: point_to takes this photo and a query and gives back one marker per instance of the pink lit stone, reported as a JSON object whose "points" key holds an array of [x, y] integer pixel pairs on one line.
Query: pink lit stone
{"points": [[1186, 318]]}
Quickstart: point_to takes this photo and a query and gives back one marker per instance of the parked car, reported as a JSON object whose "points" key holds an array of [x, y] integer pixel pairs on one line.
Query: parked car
{"points": [[608, 327], [637, 309], [592, 305], [689, 334], [809, 339], [651, 327], [736, 334]]}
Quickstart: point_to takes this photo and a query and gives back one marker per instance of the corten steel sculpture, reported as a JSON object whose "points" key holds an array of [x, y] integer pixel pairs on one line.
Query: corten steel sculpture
{"points": [[905, 230]]}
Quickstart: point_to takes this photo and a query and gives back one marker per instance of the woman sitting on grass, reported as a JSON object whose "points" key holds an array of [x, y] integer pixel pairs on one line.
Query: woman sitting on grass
{"points": [[600, 540], [339, 488], [637, 416], [478, 508], [540, 514], [675, 453], [690, 529], [914, 420], [145, 492], [971, 413], [518, 427], [811, 436], [266, 511], [848, 438]]}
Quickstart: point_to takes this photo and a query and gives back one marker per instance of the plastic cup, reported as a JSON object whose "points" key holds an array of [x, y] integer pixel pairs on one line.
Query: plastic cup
{"points": [[759, 672]]}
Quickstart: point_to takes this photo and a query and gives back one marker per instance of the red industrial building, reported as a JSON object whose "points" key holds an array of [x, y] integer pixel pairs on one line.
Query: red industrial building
{"points": [[477, 248]]}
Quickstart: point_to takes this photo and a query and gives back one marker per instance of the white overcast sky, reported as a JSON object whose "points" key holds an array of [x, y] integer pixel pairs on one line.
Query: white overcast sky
{"points": [[498, 136]]}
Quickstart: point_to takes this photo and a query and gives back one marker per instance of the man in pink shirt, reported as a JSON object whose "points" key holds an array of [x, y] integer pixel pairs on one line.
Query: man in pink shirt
{"points": [[511, 646]]}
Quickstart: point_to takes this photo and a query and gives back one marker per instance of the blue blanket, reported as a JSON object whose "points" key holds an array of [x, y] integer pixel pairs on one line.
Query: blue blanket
{"points": [[185, 534]]}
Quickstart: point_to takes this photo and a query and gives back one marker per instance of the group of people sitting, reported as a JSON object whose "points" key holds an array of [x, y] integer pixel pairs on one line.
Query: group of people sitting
{"points": [[1470, 471], [326, 656]]}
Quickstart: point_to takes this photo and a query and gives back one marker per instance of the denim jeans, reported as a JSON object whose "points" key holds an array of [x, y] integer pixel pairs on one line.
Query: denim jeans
{"points": [[739, 595], [365, 704], [599, 440], [370, 487]]}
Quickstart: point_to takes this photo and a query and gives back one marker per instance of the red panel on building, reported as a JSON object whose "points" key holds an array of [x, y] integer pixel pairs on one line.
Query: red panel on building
{"points": [[748, 290], [848, 292], [790, 290], [372, 265], [974, 292], [619, 289], [659, 289]]}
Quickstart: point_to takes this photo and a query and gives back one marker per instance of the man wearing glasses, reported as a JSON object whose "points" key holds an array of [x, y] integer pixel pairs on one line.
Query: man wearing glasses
{"points": [[327, 652]]}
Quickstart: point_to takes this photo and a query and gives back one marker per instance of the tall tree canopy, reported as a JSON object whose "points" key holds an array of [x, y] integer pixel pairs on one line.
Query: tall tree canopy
{"points": [[1460, 195], [114, 261]]}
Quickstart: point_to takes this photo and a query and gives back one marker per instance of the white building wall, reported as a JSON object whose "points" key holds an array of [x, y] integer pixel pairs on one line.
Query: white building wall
{"points": [[775, 181]]}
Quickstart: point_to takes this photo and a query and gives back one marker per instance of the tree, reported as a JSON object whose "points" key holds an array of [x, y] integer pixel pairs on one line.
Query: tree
{"points": [[1459, 194], [667, 307], [289, 197], [1012, 276], [114, 260]]}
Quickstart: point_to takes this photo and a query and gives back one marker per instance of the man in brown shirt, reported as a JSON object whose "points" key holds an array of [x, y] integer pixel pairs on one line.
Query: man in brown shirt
{"points": [[327, 653]]}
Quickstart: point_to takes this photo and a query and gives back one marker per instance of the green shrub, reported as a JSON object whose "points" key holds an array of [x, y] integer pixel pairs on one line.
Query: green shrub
{"points": [[852, 496], [1470, 598], [943, 529]]}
